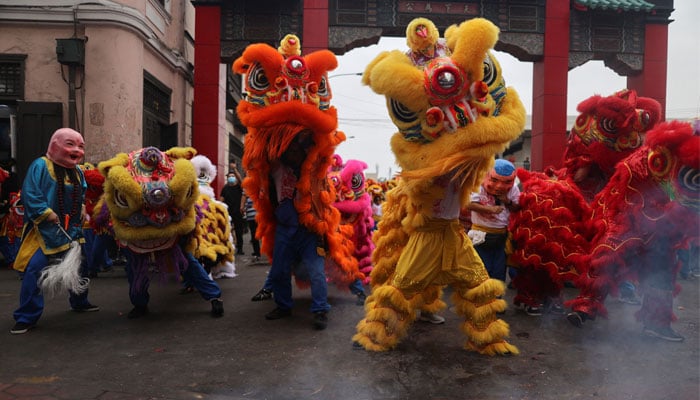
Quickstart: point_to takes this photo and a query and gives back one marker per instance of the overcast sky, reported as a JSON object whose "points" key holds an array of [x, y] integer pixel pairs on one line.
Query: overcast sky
{"points": [[363, 116]]}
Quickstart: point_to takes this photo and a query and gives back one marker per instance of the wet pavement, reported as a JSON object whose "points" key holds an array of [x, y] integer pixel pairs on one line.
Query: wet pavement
{"points": [[179, 351]]}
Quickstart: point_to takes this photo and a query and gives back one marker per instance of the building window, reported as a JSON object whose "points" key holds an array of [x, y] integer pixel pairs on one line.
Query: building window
{"points": [[157, 130], [12, 76]]}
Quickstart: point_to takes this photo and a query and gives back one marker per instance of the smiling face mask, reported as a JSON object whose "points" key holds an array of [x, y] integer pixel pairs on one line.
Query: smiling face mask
{"points": [[500, 179], [66, 148]]}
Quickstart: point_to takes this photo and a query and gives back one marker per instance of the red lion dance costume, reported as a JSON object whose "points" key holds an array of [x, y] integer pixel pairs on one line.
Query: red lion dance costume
{"points": [[648, 211], [552, 231], [288, 93], [617, 212]]}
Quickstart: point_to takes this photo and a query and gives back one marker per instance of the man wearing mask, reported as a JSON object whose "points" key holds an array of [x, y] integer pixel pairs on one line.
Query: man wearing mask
{"points": [[53, 193], [231, 194]]}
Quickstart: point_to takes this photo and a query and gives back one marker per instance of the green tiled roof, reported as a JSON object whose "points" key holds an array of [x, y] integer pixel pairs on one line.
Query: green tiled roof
{"points": [[627, 5]]}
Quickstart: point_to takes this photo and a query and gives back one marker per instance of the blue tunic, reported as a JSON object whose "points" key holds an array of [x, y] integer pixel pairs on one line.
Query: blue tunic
{"points": [[40, 198]]}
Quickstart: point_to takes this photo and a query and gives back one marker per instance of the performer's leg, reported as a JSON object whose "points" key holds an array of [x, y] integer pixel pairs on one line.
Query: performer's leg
{"points": [[388, 314], [79, 301], [315, 265], [200, 280], [657, 306], [479, 304], [280, 274], [594, 286], [137, 276], [31, 300], [429, 300]]}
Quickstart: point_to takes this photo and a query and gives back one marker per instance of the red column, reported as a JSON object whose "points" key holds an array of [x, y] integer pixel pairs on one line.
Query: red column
{"points": [[315, 35], [549, 88], [652, 81], [207, 127]]}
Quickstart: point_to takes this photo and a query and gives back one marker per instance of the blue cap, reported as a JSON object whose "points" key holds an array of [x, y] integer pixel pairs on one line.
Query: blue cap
{"points": [[504, 167]]}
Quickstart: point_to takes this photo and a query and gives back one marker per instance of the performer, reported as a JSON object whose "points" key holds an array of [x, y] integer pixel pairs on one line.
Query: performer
{"points": [[53, 193], [491, 207], [213, 235], [354, 203], [10, 212], [292, 134], [450, 127], [149, 203]]}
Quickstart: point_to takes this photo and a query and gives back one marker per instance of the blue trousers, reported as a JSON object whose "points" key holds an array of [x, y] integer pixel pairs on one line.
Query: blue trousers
{"points": [[292, 244], [31, 300], [194, 274], [356, 287], [494, 259], [96, 250]]}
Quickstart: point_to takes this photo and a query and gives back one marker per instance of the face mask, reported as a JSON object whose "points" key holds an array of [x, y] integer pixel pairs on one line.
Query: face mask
{"points": [[66, 148], [232, 180]]}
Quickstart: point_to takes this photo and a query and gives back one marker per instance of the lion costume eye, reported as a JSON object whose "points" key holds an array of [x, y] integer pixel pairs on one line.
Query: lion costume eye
{"points": [[357, 182], [323, 89], [335, 181], [120, 200], [607, 127], [257, 80], [401, 113], [490, 73], [689, 179]]}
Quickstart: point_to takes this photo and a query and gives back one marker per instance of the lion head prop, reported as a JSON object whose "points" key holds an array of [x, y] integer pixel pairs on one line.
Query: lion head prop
{"points": [[150, 196]]}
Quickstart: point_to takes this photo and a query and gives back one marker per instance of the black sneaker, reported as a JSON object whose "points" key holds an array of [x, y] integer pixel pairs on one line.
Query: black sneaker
{"points": [[577, 318], [137, 312], [20, 328], [263, 294], [361, 297], [665, 333], [533, 311], [320, 320], [278, 313], [85, 308], [553, 306], [187, 290], [217, 308]]}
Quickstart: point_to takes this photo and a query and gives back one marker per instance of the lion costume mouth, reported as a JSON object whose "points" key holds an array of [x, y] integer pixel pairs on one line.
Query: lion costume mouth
{"points": [[148, 246]]}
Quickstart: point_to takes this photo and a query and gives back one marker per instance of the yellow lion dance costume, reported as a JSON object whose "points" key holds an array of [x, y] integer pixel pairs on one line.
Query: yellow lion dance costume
{"points": [[454, 114]]}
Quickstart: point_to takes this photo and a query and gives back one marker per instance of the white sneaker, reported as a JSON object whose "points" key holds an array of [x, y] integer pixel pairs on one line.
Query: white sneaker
{"points": [[426, 316]]}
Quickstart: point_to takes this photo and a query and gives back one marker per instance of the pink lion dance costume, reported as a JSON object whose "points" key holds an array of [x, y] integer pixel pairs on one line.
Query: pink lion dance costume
{"points": [[355, 206]]}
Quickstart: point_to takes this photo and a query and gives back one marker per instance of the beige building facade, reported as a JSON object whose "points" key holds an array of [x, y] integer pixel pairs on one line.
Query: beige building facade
{"points": [[119, 72]]}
